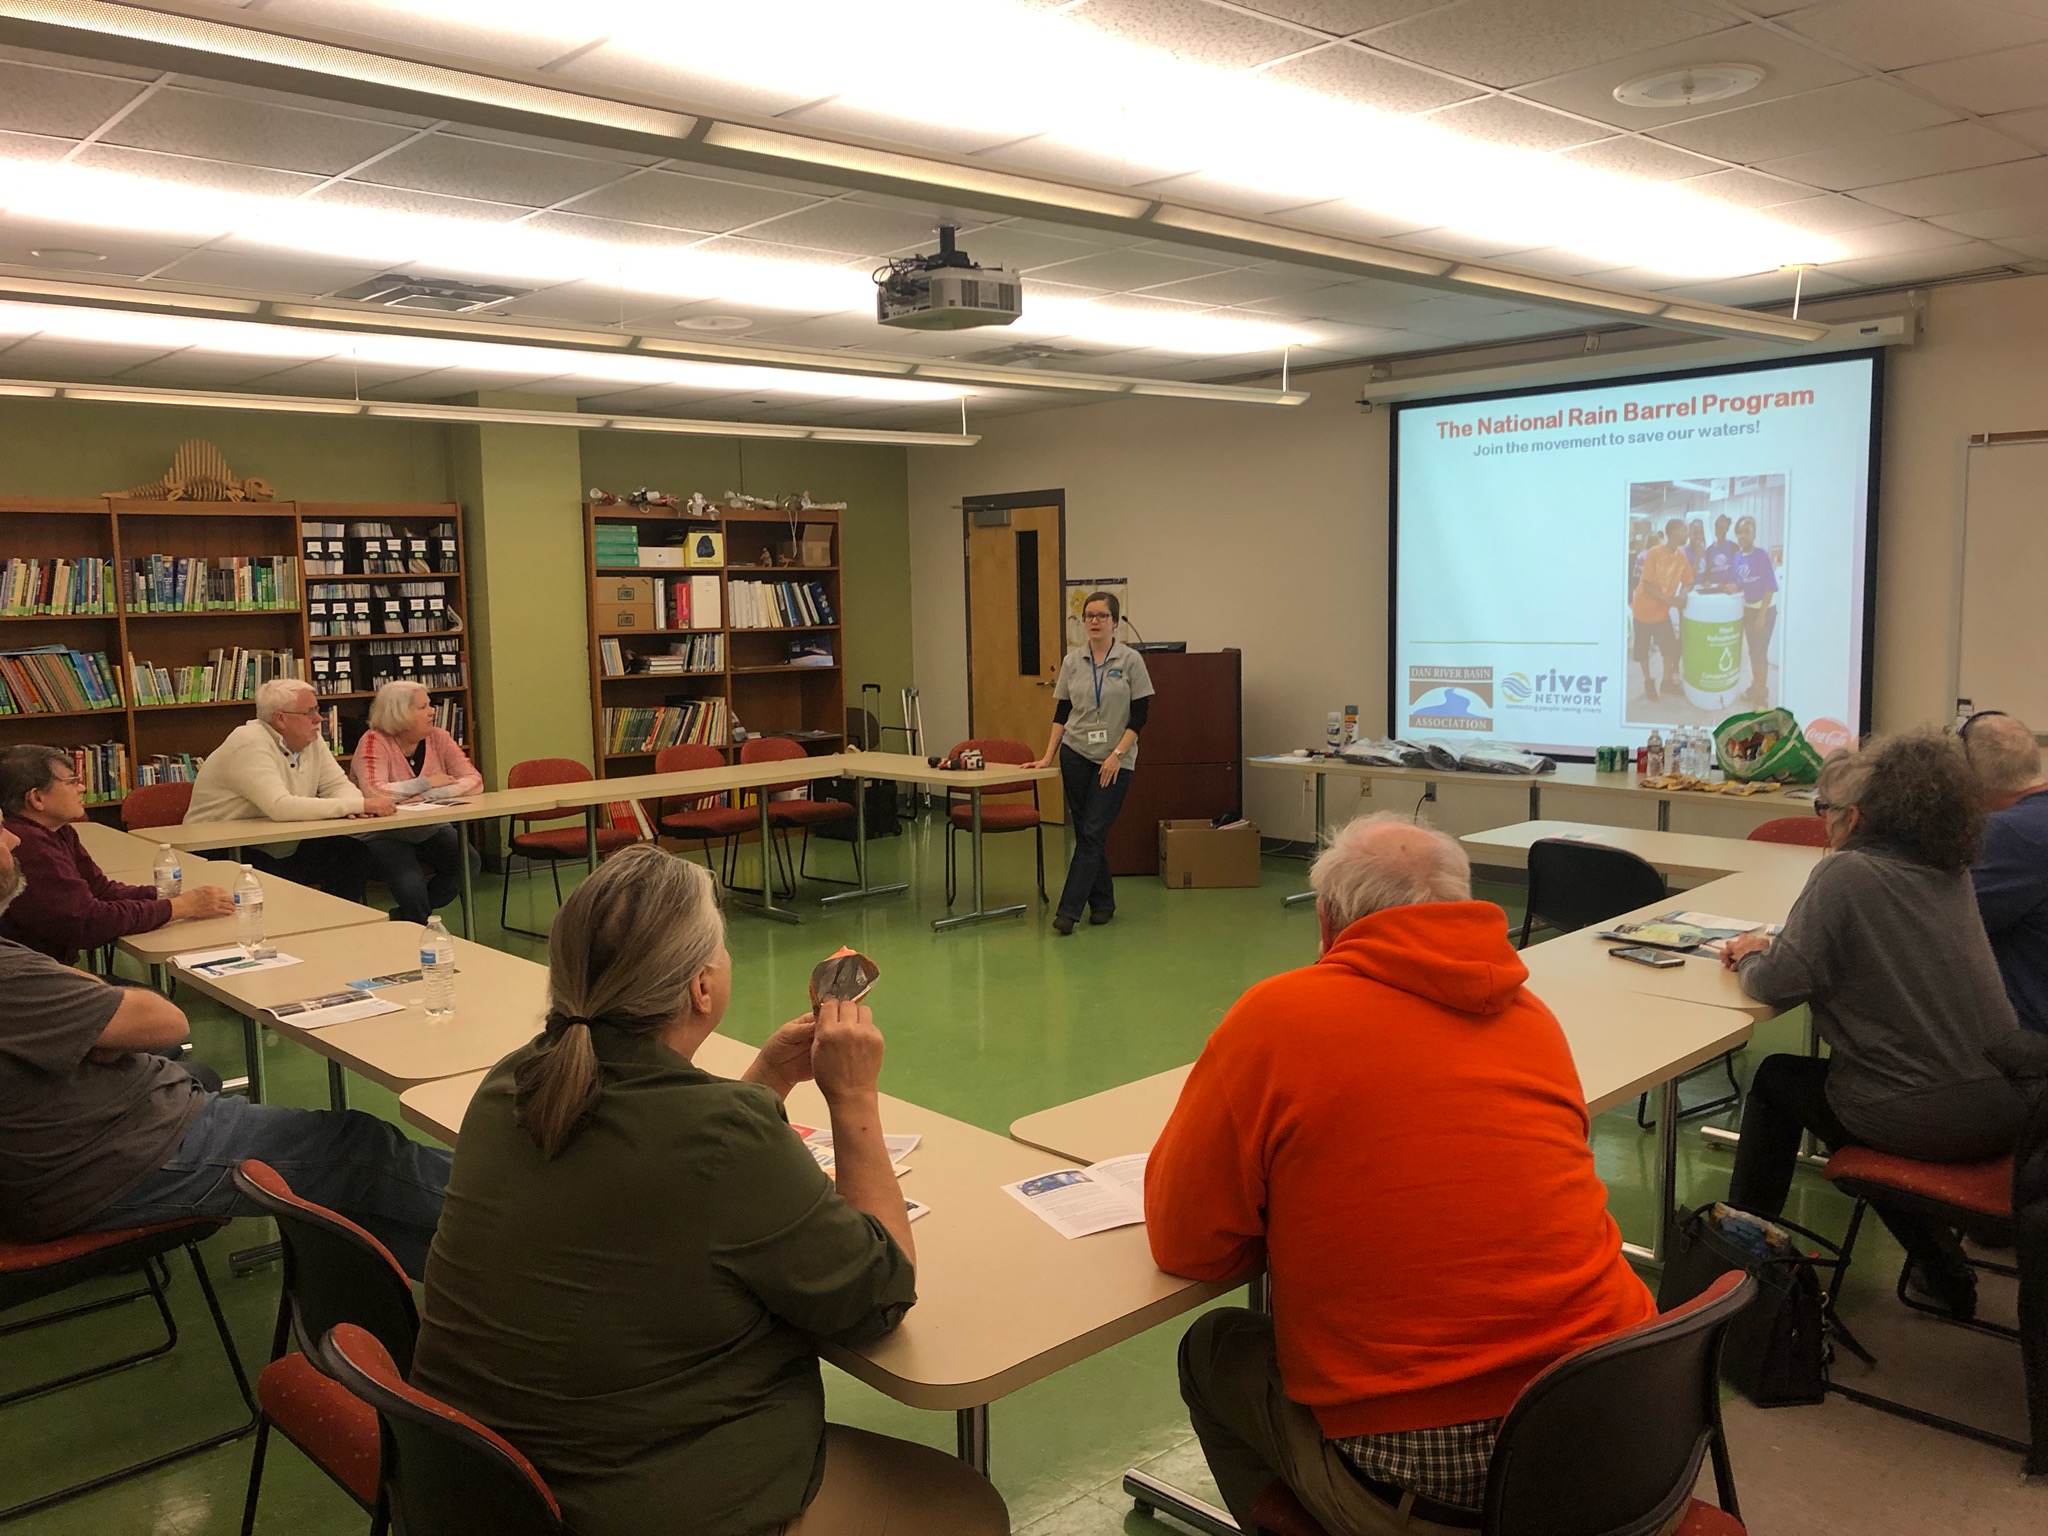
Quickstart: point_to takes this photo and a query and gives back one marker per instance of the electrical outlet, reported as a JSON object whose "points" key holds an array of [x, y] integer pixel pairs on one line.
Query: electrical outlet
{"points": [[1429, 794]]}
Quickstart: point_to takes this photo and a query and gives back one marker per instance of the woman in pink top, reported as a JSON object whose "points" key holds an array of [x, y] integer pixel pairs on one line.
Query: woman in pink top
{"points": [[408, 758]]}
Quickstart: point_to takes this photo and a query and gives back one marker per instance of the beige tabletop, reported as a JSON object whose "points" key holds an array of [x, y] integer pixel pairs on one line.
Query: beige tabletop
{"points": [[1622, 1043], [1574, 776], [121, 854], [481, 806], [1003, 1299], [1687, 855], [915, 770], [499, 1000], [288, 909], [694, 781]]}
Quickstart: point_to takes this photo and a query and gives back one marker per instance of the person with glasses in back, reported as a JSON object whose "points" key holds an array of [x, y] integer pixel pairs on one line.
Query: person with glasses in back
{"points": [[1885, 946], [72, 905], [1101, 702], [2011, 872], [277, 768]]}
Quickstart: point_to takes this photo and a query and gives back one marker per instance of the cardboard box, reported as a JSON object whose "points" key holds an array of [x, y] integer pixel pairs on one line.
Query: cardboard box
{"points": [[1196, 856], [626, 616], [625, 589], [665, 557], [813, 549], [704, 547]]}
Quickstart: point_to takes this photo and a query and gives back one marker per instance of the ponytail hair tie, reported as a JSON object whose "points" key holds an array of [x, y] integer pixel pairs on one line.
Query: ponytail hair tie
{"points": [[558, 1022]]}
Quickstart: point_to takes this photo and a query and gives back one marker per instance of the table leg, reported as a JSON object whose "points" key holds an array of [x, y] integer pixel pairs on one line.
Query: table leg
{"points": [[337, 1086], [1258, 1292], [982, 912], [1663, 813], [1666, 1183], [766, 906], [1315, 843], [590, 835], [860, 853], [468, 881], [1535, 802], [970, 1426], [1149, 1495], [252, 1057]]}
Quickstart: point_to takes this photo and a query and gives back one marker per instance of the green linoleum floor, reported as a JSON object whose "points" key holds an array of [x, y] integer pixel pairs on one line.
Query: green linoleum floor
{"points": [[985, 1024]]}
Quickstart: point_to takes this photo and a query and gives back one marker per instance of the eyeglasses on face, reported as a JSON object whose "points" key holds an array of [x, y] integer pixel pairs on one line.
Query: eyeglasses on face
{"points": [[1097, 618]]}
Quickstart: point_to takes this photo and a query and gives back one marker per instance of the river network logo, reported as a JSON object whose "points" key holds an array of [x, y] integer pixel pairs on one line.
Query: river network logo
{"points": [[1556, 692], [1450, 698]]}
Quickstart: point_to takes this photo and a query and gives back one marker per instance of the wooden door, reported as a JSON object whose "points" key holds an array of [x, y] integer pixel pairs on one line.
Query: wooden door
{"points": [[1015, 625]]}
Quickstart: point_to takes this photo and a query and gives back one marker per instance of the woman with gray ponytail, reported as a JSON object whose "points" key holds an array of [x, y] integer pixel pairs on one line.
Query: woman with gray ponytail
{"points": [[637, 1257]]}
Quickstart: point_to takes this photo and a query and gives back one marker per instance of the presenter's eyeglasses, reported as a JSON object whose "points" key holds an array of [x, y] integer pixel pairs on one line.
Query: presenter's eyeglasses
{"points": [[1095, 615]]}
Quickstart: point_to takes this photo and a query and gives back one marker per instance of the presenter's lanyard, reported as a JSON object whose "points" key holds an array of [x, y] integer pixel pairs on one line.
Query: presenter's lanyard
{"points": [[1096, 673]]}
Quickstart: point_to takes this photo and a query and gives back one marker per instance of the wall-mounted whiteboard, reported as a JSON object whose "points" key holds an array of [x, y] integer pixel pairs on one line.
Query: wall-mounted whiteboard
{"points": [[2002, 629]]}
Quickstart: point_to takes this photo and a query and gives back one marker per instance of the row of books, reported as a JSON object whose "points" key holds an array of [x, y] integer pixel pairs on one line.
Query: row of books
{"points": [[56, 680], [692, 653], [224, 675], [687, 602], [32, 587], [376, 549], [168, 768], [383, 613], [367, 665], [103, 770], [212, 583], [649, 730], [342, 732], [779, 604]]}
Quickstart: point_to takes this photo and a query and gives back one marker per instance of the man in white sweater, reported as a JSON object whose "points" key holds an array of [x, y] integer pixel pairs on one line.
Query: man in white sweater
{"points": [[277, 768]]}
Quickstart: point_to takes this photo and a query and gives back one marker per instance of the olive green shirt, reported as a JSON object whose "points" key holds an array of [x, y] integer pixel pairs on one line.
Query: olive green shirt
{"points": [[640, 1315]]}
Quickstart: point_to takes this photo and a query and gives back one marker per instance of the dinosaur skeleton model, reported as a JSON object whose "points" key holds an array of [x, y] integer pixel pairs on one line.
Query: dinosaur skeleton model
{"points": [[199, 472]]}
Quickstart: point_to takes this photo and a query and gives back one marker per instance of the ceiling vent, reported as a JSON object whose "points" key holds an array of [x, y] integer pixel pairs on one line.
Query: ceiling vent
{"points": [[1031, 354], [439, 296]]}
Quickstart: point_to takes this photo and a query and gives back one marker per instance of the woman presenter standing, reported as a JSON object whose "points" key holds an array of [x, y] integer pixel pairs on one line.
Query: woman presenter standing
{"points": [[1101, 701]]}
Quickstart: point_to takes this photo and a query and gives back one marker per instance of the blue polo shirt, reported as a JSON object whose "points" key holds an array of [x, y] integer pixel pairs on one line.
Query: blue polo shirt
{"points": [[2011, 877], [1754, 571], [1720, 569]]}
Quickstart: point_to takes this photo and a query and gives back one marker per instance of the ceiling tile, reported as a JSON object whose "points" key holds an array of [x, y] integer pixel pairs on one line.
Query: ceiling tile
{"points": [[1835, 114], [1789, 68], [247, 272], [73, 358], [358, 194], [1898, 238], [200, 370], [1506, 42], [1120, 271], [1900, 156], [1825, 215], [1242, 286], [620, 157], [59, 103], [586, 303], [1745, 189], [2013, 220], [624, 67], [833, 333], [1990, 186], [613, 231], [189, 171], [2010, 80], [1340, 18], [905, 127], [767, 250], [1216, 191], [1341, 216], [1768, 287], [1367, 79], [1364, 302], [854, 229], [1631, 155], [2031, 127], [498, 173], [74, 65], [1897, 34], [1020, 250], [1919, 266], [687, 202], [1516, 124], [1461, 242], [218, 126], [1192, 32], [30, 146], [2035, 246], [126, 255], [441, 28], [1062, 157]]}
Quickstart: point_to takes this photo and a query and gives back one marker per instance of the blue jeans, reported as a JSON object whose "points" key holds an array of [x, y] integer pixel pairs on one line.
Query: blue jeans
{"points": [[422, 877], [1091, 810], [352, 1163]]}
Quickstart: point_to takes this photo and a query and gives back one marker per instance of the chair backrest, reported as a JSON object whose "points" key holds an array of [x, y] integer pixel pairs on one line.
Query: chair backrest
{"points": [[1609, 1440], [1575, 885], [538, 771], [1805, 831], [156, 805], [998, 749], [442, 1473], [334, 1271], [774, 749], [688, 757]]}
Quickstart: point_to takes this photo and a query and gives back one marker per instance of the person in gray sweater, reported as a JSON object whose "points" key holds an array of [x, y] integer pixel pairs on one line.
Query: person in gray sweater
{"points": [[1886, 947]]}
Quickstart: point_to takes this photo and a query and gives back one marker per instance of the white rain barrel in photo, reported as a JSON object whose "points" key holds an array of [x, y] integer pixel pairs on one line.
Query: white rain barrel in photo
{"points": [[1710, 645]]}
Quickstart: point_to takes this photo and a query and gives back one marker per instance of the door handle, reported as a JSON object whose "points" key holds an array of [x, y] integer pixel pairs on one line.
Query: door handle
{"points": [[1046, 683]]}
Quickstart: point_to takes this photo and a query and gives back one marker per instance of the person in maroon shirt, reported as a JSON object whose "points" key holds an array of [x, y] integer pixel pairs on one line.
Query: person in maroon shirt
{"points": [[71, 904]]}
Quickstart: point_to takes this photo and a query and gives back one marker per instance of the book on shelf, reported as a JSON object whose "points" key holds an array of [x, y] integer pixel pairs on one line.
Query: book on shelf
{"points": [[212, 583], [55, 680], [362, 608], [615, 545], [102, 770], [811, 653], [225, 676], [168, 768], [36, 588], [430, 663], [667, 725], [780, 605], [692, 653]]}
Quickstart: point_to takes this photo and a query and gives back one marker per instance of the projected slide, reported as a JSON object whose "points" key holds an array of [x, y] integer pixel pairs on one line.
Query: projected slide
{"points": [[1575, 567]]}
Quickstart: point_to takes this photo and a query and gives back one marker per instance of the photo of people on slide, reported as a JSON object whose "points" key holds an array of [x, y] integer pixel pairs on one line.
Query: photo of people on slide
{"points": [[1705, 585]]}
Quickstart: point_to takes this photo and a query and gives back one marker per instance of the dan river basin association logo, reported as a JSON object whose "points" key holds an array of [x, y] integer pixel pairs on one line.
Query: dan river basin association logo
{"points": [[1450, 698]]}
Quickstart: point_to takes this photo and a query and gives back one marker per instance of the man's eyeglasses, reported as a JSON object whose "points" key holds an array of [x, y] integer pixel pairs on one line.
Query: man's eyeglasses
{"points": [[57, 780], [1822, 807], [1963, 730]]}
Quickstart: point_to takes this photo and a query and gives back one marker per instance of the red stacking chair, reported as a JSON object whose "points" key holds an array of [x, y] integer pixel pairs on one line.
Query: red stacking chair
{"points": [[1001, 810], [155, 805], [552, 844], [703, 817], [802, 814], [1804, 831]]}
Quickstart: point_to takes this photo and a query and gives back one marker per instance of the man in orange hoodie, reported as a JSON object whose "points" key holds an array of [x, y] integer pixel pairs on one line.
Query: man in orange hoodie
{"points": [[1398, 1132]]}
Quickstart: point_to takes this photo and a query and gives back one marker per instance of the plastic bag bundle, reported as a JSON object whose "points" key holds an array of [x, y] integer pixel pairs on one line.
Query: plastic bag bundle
{"points": [[1383, 752], [1765, 744], [1497, 757]]}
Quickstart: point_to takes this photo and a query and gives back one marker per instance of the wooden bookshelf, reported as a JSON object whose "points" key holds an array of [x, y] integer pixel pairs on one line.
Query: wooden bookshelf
{"points": [[124, 532], [759, 687]]}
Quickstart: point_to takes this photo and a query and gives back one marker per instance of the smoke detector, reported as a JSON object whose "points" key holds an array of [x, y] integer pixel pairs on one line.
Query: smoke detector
{"points": [[436, 295], [1694, 86]]}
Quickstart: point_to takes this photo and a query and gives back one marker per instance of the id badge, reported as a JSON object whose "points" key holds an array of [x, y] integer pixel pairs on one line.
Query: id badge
{"points": [[1096, 738]]}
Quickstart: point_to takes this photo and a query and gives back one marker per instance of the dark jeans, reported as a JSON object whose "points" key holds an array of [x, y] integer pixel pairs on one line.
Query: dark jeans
{"points": [[340, 866], [1789, 1096], [1665, 638], [423, 877], [1757, 625], [350, 1162], [1091, 811]]}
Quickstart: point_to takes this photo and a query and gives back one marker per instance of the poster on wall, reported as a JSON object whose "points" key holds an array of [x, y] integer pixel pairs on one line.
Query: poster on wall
{"points": [[1079, 589]]}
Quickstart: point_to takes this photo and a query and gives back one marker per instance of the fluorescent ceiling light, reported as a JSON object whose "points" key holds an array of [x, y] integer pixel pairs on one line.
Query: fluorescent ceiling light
{"points": [[1178, 391], [291, 344], [409, 411], [1552, 290], [215, 400], [707, 428], [1050, 76], [32, 391]]}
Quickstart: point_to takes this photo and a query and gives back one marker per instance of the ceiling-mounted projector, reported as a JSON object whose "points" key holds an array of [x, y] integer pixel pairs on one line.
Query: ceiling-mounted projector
{"points": [[945, 292]]}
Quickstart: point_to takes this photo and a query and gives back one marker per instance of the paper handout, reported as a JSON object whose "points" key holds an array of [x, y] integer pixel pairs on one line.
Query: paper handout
{"points": [[231, 961], [819, 1144], [333, 1008], [1077, 1202]]}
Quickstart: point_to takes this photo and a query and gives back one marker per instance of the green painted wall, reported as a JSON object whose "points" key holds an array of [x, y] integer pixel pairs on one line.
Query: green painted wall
{"points": [[873, 481]]}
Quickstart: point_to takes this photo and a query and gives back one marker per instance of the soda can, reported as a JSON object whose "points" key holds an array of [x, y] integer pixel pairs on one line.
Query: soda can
{"points": [[1604, 760]]}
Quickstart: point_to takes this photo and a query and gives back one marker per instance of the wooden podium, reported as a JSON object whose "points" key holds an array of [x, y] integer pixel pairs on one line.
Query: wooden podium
{"points": [[1190, 754]]}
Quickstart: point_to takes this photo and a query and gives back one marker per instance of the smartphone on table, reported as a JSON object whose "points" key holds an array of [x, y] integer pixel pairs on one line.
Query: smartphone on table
{"points": [[1656, 959]]}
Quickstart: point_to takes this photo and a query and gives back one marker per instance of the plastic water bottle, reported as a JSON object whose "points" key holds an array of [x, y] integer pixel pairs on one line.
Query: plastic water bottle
{"points": [[1653, 764], [170, 874], [437, 965], [248, 899]]}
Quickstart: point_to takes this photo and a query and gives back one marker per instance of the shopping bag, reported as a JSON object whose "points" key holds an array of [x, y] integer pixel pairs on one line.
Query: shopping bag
{"points": [[1765, 744]]}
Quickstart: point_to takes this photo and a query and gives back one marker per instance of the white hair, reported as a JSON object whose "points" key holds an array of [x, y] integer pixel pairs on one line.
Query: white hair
{"points": [[2004, 753], [279, 696], [391, 710], [1385, 860]]}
